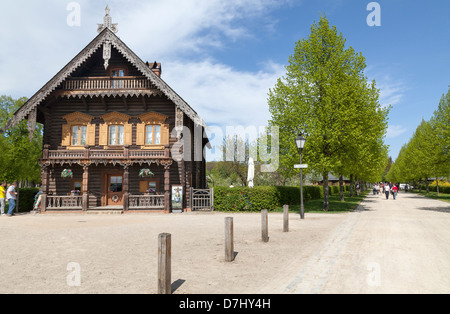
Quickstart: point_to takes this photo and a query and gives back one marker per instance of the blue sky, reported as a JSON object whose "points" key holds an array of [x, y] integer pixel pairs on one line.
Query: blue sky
{"points": [[223, 56]]}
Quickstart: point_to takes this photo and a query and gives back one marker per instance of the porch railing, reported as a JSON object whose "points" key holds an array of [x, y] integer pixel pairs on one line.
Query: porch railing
{"points": [[104, 83], [64, 202], [146, 201], [105, 154]]}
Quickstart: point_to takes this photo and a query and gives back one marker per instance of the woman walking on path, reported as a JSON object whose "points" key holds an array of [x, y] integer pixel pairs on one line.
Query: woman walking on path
{"points": [[394, 191]]}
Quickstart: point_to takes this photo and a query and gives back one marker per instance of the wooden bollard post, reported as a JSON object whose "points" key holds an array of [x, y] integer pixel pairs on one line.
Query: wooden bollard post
{"points": [[229, 241], [285, 218], [164, 263], [264, 226]]}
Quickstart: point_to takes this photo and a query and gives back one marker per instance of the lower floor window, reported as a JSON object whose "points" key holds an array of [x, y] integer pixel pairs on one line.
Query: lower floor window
{"points": [[148, 187]]}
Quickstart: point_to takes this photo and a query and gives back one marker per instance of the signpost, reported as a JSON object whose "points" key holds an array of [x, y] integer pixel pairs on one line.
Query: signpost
{"points": [[304, 166]]}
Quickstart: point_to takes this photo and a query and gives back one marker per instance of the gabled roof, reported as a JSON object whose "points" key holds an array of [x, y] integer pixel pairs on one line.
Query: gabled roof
{"points": [[105, 37]]}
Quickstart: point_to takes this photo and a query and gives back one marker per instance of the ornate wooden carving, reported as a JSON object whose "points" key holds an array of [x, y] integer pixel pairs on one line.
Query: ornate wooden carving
{"points": [[153, 118], [115, 118]]}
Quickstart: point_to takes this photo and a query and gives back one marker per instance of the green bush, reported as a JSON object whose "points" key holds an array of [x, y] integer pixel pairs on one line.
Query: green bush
{"points": [[261, 197]]}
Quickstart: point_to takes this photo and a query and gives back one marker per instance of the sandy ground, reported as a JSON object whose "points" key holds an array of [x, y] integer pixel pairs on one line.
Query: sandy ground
{"points": [[387, 246]]}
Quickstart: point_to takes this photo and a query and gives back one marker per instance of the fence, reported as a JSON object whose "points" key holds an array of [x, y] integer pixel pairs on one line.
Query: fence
{"points": [[202, 199]]}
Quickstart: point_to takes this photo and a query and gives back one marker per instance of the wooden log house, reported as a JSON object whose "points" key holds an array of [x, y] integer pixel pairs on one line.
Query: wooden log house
{"points": [[107, 115]]}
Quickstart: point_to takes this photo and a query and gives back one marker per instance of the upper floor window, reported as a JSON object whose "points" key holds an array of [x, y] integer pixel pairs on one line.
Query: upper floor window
{"points": [[79, 135], [153, 135], [78, 131], [153, 131], [116, 135], [118, 73], [115, 73], [115, 130]]}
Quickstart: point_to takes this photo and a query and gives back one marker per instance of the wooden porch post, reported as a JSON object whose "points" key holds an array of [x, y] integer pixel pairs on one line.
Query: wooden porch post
{"points": [[44, 181], [126, 174], [85, 193], [166, 189]]}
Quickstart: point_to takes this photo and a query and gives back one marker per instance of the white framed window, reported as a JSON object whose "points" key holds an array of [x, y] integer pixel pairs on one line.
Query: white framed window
{"points": [[115, 135], [153, 134], [79, 135]]}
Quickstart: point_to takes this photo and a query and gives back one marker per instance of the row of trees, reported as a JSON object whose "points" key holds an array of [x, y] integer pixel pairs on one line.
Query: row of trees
{"points": [[326, 97], [427, 154], [18, 155]]}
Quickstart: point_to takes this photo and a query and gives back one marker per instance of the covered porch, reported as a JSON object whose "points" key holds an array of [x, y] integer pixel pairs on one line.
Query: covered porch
{"points": [[105, 184]]}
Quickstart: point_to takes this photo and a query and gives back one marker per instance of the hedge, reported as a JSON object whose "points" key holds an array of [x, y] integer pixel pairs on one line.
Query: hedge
{"points": [[261, 197], [433, 188]]}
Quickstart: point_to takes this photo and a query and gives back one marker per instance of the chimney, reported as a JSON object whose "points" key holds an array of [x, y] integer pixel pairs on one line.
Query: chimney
{"points": [[155, 67]]}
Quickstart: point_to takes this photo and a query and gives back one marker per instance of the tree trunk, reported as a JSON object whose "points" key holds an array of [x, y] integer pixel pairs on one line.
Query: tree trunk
{"points": [[351, 185], [437, 185], [341, 187], [426, 184], [326, 194]]}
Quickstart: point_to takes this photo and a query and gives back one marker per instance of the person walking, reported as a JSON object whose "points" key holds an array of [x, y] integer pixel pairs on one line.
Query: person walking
{"points": [[394, 191], [37, 200], [11, 196], [2, 198], [386, 190]]}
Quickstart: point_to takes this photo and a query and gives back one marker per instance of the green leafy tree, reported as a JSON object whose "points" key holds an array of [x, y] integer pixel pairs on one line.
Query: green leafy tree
{"points": [[326, 96], [19, 158]]}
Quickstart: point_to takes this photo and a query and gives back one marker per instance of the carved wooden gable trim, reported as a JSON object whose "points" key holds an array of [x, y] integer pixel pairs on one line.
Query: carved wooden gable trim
{"points": [[106, 36]]}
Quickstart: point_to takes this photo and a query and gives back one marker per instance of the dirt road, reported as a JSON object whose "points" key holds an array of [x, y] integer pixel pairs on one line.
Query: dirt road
{"points": [[388, 246]]}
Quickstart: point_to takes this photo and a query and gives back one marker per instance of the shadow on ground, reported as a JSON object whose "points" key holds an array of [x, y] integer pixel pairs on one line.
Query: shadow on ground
{"points": [[436, 209]]}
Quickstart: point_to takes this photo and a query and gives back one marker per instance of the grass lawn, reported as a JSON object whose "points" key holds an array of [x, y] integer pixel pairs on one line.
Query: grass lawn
{"points": [[442, 196], [335, 205]]}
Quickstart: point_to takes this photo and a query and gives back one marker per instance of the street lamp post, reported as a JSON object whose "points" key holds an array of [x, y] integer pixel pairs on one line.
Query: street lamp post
{"points": [[300, 141]]}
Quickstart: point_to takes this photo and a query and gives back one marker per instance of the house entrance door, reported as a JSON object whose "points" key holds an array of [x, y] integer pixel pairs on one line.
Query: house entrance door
{"points": [[115, 190]]}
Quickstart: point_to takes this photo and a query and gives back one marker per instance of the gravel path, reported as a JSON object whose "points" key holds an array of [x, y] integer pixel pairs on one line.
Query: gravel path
{"points": [[387, 246]]}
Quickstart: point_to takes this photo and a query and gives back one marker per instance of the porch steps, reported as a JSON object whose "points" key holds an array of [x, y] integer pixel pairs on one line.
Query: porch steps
{"points": [[104, 212]]}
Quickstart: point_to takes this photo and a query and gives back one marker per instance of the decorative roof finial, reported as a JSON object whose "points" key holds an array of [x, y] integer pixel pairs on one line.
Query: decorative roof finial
{"points": [[107, 23]]}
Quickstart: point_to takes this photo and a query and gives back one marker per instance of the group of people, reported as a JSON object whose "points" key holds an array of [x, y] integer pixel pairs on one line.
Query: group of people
{"points": [[386, 189], [8, 194]]}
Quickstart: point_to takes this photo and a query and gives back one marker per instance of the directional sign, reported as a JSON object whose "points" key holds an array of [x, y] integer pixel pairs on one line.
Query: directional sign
{"points": [[304, 166]]}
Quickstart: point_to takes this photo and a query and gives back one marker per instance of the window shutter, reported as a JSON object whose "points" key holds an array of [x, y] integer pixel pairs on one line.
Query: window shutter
{"points": [[128, 136], [91, 134], [140, 134], [165, 135], [65, 136], [143, 186], [103, 135]]}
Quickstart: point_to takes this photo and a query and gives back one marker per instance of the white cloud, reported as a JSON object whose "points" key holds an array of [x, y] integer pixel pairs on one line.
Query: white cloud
{"points": [[395, 131], [392, 91], [173, 28], [222, 95], [37, 40]]}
